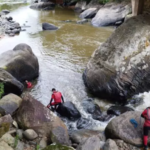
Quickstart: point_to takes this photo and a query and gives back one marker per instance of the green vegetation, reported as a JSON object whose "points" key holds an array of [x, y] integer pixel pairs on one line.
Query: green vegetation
{"points": [[1, 89], [16, 141], [37, 147]]}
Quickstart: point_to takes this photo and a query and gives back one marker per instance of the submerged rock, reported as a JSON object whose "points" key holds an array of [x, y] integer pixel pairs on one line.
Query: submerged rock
{"points": [[121, 128], [83, 123], [69, 111], [15, 62], [118, 110], [120, 67], [111, 13], [47, 26]]}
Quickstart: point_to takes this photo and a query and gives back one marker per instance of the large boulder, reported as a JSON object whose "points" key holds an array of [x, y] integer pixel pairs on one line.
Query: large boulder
{"points": [[15, 62], [11, 84], [120, 67], [34, 115], [121, 128], [47, 26], [69, 111], [10, 103], [118, 110], [89, 13], [111, 13], [82, 135], [43, 6]]}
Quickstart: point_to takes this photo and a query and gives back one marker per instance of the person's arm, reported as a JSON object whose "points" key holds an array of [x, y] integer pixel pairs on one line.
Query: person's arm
{"points": [[144, 113], [62, 99]]}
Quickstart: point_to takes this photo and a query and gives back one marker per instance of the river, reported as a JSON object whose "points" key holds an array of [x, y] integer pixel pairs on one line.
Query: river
{"points": [[62, 54]]}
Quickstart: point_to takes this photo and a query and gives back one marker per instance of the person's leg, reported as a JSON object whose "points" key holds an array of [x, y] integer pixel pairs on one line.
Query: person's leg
{"points": [[145, 137]]}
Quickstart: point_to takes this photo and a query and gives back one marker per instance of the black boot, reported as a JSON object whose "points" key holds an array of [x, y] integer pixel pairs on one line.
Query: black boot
{"points": [[145, 148]]}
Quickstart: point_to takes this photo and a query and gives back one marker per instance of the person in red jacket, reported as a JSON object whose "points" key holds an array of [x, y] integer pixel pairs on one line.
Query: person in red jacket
{"points": [[56, 99], [146, 115], [29, 84]]}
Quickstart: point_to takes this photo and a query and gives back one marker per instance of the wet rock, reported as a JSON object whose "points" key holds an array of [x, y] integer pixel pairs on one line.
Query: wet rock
{"points": [[43, 6], [23, 46], [30, 134], [111, 13], [115, 74], [79, 136], [11, 34], [59, 147], [89, 13], [47, 26], [5, 123], [110, 145], [5, 11], [103, 117], [118, 110], [34, 115], [9, 18], [11, 84], [80, 6], [136, 100], [82, 21], [83, 123], [16, 31], [121, 128], [10, 103], [92, 143], [5, 146], [59, 136], [15, 124], [69, 111], [14, 61]]}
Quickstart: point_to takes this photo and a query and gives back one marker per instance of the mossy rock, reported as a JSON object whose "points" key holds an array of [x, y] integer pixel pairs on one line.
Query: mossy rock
{"points": [[4, 128], [58, 147]]}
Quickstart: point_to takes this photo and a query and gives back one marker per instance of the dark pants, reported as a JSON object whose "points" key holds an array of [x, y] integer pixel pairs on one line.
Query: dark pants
{"points": [[145, 138]]}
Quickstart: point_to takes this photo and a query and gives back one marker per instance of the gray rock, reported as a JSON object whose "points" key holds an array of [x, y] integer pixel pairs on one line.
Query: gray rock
{"points": [[117, 74], [5, 146], [30, 134], [58, 147], [15, 63], [80, 6], [121, 128], [92, 143], [10, 103], [15, 124], [111, 13], [110, 145], [59, 136], [79, 136], [5, 11], [43, 142], [82, 21], [20, 133], [89, 13], [47, 26], [20, 146], [43, 6]]}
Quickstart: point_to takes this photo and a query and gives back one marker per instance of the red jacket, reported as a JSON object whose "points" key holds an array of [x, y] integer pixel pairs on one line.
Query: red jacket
{"points": [[146, 116], [29, 85], [56, 96]]}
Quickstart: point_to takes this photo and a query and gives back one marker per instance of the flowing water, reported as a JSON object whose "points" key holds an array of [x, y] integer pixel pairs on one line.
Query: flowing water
{"points": [[62, 54]]}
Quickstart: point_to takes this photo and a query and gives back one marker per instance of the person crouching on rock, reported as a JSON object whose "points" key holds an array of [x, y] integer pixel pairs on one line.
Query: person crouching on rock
{"points": [[146, 127], [56, 100], [29, 84]]}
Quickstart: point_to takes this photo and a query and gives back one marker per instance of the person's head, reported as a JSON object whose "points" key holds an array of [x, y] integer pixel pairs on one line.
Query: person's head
{"points": [[53, 89], [26, 81]]}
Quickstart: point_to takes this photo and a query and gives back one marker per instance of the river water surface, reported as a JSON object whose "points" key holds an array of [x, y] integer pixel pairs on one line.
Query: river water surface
{"points": [[62, 54]]}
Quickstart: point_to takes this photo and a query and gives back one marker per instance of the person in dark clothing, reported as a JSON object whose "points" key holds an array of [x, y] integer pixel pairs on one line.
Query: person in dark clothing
{"points": [[146, 115], [56, 99]]}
